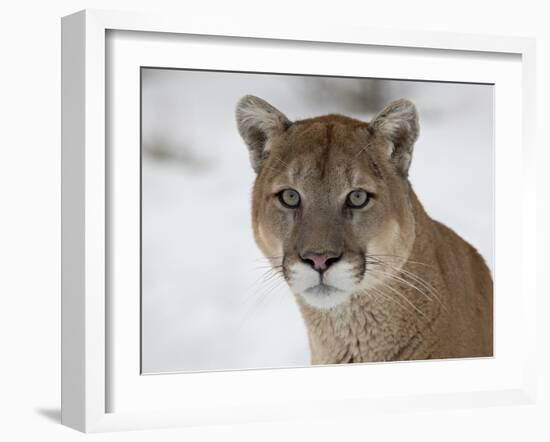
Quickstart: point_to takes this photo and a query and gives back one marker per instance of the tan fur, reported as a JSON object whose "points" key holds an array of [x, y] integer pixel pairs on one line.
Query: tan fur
{"points": [[420, 291]]}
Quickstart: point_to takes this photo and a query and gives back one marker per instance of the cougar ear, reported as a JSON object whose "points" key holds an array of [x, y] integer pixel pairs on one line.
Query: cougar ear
{"points": [[398, 123], [257, 122]]}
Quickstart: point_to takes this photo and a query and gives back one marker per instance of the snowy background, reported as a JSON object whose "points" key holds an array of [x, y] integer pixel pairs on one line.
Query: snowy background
{"points": [[206, 303]]}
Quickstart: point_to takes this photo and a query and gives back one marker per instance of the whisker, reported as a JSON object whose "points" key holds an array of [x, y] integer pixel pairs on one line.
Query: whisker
{"points": [[267, 266], [267, 258], [389, 298], [425, 284], [274, 282], [419, 280], [264, 277], [404, 281], [271, 287], [402, 297], [402, 258], [271, 276]]}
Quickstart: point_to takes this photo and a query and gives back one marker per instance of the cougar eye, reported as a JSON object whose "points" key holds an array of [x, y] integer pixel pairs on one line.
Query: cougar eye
{"points": [[357, 199], [289, 198]]}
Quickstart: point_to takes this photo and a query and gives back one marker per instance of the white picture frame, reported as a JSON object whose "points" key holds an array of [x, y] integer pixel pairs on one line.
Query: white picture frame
{"points": [[88, 320]]}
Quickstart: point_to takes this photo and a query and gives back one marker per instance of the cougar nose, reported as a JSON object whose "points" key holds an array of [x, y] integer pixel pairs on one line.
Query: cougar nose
{"points": [[320, 261]]}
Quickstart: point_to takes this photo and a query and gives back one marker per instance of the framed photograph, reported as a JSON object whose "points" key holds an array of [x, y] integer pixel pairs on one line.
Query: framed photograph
{"points": [[265, 223]]}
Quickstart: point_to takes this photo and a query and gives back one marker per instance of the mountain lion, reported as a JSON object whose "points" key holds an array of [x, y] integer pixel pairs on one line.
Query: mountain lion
{"points": [[375, 278]]}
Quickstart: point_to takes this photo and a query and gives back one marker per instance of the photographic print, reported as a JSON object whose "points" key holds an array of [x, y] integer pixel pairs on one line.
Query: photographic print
{"points": [[296, 220]]}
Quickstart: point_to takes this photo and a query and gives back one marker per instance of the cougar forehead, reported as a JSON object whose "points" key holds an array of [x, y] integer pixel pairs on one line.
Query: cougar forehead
{"points": [[329, 152]]}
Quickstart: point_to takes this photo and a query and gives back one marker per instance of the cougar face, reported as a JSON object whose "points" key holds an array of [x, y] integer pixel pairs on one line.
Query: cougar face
{"points": [[330, 196]]}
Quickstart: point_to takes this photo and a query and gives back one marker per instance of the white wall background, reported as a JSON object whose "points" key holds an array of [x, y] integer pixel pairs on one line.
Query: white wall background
{"points": [[30, 221], [206, 303]]}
